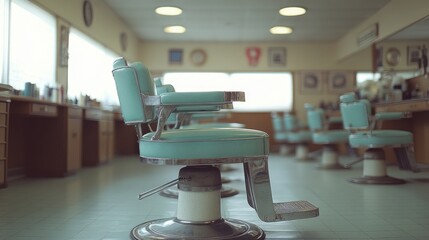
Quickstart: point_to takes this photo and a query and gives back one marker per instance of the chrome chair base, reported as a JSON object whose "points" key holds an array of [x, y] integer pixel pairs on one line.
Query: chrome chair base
{"points": [[173, 228], [377, 180], [173, 192]]}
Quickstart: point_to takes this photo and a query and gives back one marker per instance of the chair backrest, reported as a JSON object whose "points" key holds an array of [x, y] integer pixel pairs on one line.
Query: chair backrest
{"points": [[355, 113], [316, 119], [290, 122], [277, 122], [133, 82]]}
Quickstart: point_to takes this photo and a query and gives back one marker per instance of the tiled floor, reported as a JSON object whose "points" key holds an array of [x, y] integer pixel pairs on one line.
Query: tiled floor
{"points": [[101, 203]]}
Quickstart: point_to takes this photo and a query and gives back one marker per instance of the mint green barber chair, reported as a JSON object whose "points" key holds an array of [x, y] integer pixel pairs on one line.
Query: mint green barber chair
{"points": [[298, 136], [189, 119], [358, 120], [198, 213], [330, 139], [280, 134]]}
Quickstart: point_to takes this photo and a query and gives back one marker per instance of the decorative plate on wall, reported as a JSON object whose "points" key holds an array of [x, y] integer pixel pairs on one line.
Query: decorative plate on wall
{"points": [[393, 56], [198, 57]]}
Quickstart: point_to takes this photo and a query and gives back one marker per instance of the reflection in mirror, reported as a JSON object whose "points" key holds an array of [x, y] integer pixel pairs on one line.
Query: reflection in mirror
{"points": [[401, 65]]}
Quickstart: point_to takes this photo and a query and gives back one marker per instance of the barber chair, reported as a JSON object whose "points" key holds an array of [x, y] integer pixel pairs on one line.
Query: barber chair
{"points": [[198, 150], [190, 119], [358, 120], [298, 136], [330, 139], [280, 134]]}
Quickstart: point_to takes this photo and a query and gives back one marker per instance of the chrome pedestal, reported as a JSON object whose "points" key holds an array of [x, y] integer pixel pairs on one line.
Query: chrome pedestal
{"points": [[172, 228], [224, 192]]}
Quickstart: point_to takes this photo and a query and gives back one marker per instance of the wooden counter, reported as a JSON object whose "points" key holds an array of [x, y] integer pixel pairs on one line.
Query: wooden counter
{"points": [[418, 124]]}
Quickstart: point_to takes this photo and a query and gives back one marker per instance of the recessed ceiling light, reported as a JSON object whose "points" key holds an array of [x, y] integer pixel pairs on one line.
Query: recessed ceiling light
{"points": [[292, 11], [175, 29], [169, 11], [281, 30]]}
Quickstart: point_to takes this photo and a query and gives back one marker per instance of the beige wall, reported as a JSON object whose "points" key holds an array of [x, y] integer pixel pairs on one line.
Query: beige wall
{"points": [[395, 16], [229, 57], [106, 26]]}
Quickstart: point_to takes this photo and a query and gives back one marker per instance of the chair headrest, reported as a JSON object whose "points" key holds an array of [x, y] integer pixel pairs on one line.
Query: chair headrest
{"points": [[120, 62], [308, 106], [348, 97]]}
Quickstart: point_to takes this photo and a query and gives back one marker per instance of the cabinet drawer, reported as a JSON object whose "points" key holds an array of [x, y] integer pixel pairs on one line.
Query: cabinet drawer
{"points": [[3, 118], [43, 109], [2, 134], [2, 151], [93, 114], [3, 107], [75, 112]]}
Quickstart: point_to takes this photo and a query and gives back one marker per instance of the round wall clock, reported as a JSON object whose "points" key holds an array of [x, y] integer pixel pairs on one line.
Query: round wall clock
{"points": [[198, 57], [393, 56], [123, 41], [87, 13]]}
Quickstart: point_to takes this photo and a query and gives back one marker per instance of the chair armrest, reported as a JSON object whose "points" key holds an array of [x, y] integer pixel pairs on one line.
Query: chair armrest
{"points": [[200, 98], [190, 101], [391, 115], [381, 116]]}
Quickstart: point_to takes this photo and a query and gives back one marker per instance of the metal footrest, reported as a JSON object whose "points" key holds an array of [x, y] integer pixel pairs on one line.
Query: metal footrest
{"points": [[406, 160], [296, 210]]}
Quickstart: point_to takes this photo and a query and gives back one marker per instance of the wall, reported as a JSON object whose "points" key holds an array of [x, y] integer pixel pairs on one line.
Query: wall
{"points": [[395, 16], [231, 57], [106, 26]]}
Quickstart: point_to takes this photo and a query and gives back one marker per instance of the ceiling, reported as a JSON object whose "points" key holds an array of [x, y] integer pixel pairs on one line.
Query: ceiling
{"points": [[245, 20]]}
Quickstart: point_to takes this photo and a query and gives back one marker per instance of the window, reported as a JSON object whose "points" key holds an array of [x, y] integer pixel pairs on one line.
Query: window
{"points": [[90, 69], [265, 92], [32, 45]]}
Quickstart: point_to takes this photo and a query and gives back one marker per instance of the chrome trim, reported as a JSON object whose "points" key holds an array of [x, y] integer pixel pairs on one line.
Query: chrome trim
{"points": [[158, 189], [199, 161], [164, 113]]}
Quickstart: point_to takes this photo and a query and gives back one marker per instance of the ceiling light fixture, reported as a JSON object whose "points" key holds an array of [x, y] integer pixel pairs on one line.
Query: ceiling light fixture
{"points": [[292, 11], [281, 30], [175, 29], [168, 11]]}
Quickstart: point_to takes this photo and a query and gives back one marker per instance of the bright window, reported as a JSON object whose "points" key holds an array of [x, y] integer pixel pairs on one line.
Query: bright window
{"points": [[90, 69], [32, 45], [265, 92]]}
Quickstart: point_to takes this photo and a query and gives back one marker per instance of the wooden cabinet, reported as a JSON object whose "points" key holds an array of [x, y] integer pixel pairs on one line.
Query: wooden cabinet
{"points": [[74, 139], [45, 139], [98, 137], [4, 119]]}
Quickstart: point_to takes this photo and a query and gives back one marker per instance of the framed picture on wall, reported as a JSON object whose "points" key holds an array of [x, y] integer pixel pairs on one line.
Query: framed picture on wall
{"points": [[310, 82], [413, 54], [277, 57], [341, 81], [175, 56]]}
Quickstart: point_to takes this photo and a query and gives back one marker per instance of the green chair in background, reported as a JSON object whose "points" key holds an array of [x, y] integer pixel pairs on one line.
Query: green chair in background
{"points": [[280, 133], [198, 213], [358, 120], [297, 135], [318, 123]]}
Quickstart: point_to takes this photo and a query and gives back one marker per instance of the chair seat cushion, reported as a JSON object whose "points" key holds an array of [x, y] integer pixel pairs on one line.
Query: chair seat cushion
{"points": [[331, 136], [210, 143], [381, 138], [214, 125], [280, 137], [299, 137]]}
